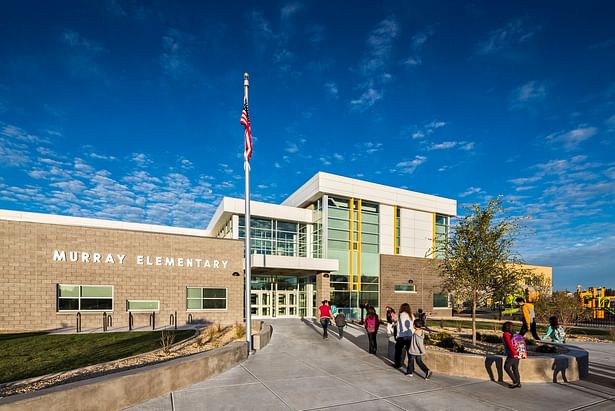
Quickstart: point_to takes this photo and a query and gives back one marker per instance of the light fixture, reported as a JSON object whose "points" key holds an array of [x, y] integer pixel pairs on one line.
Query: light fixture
{"points": [[410, 281], [236, 274], [326, 275]]}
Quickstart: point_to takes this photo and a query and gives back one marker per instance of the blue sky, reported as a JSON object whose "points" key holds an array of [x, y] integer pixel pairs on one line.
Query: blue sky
{"points": [[129, 110]]}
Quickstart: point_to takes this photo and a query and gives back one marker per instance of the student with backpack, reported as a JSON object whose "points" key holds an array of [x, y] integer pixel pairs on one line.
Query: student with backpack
{"points": [[555, 332], [417, 350], [340, 322], [514, 347], [528, 318], [372, 323], [405, 328]]}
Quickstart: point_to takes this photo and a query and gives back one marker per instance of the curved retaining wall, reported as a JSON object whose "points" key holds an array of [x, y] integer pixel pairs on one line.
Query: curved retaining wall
{"points": [[127, 388], [572, 366]]}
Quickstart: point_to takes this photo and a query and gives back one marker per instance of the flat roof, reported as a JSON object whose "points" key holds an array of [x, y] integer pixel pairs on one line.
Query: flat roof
{"points": [[97, 223], [325, 183]]}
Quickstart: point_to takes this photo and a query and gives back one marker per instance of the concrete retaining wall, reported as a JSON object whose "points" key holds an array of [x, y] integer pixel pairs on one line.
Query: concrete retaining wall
{"points": [[262, 337], [572, 366], [126, 388]]}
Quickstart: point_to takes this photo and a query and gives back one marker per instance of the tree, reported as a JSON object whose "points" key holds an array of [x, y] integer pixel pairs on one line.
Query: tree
{"points": [[478, 261], [567, 308]]}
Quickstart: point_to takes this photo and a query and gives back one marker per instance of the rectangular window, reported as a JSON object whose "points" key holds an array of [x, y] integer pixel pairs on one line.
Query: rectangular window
{"points": [[198, 298], [405, 288], [440, 300], [84, 297], [142, 305]]}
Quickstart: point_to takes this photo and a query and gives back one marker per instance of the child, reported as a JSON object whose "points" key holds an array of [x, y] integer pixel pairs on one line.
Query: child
{"points": [[511, 366], [340, 321], [417, 349], [555, 332], [371, 326]]}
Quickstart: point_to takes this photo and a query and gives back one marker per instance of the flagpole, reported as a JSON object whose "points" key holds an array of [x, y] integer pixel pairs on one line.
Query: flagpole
{"points": [[248, 262]]}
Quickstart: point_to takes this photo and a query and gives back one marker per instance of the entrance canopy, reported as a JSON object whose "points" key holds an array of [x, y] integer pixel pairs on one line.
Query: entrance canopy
{"points": [[289, 265]]}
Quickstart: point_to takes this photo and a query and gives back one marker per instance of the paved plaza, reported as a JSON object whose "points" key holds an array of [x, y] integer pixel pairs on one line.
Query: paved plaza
{"points": [[299, 370]]}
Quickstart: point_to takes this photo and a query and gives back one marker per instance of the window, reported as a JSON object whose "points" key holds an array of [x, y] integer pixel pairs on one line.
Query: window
{"points": [[85, 297], [397, 230], [440, 300], [206, 298], [143, 305], [405, 288]]}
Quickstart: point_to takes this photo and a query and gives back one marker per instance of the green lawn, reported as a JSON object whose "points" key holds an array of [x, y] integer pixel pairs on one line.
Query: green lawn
{"points": [[33, 354]]}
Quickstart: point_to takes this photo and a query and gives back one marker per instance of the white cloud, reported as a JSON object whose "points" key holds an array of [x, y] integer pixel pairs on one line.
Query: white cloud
{"points": [[291, 147], [446, 145], [332, 89], [374, 65], [408, 167], [290, 9], [417, 44], [572, 138], [141, 159], [325, 161], [514, 33], [610, 123], [367, 99], [470, 191], [529, 93], [338, 156], [175, 54]]}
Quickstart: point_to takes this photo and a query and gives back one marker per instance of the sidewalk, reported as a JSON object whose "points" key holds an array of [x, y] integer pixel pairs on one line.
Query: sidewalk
{"points": [[299, 370]]}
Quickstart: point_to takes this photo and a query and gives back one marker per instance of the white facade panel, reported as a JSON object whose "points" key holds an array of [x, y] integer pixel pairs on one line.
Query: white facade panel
{"points": [[406, 238], [386, 230], [423, 233]]}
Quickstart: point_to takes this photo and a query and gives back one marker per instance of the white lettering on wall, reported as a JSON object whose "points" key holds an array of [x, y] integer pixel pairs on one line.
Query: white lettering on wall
{"points": [[100, 258], [59, 255]]}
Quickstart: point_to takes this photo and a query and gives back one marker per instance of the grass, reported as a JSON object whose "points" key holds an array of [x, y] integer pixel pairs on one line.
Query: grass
{"points": [[29, 355]]}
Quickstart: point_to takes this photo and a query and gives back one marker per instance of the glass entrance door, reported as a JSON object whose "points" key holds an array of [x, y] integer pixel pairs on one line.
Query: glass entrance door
{"points": [[262, 303], [275, 303]]}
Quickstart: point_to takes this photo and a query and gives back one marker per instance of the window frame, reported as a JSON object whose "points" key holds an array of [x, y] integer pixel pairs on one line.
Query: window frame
{"points": [[413, 291], [79, 298], [202, 298], [141, 310]]}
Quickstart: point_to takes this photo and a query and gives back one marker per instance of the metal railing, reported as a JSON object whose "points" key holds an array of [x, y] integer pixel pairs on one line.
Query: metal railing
{"points": [[173, 319], [78, 323]]}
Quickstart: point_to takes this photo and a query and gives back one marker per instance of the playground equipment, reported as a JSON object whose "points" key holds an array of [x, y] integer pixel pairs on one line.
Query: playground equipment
{"points": [[596, 300]]}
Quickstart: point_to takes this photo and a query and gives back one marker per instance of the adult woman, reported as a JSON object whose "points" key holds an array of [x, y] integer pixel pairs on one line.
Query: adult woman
{"points": [[405, 328], [325, 316]]}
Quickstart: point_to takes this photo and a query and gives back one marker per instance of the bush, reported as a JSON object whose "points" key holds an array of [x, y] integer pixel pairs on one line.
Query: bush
{"points": [[240, 330], [447, 341], [489, 338], [439, 336], [529, 341], [548, 349]]}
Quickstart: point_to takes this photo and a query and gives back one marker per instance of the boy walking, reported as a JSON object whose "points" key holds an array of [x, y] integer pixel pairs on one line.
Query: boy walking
{"points": [[528, 318], [417, 350]]}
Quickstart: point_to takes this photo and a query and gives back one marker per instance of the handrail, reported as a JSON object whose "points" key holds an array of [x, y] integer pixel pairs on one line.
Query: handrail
{"points": [[190, 318], [104, 318], [78, 322], [130, 321], [152, 320]]}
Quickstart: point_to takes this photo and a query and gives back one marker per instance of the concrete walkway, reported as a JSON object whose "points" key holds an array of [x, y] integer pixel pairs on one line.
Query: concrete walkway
{"points": [[299, 370]]}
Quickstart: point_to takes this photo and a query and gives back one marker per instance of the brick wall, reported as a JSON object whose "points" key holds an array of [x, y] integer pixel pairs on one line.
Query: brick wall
{"points": [[30, 275], [397, 269]]}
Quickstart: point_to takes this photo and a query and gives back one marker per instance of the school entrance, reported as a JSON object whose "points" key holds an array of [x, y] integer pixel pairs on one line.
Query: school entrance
{"points": [[283, 297]]}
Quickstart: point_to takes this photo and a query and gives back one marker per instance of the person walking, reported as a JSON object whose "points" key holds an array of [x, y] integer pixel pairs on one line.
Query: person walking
{"points": [[511, 365], [555, 332], [528, 318], [340, 322], [372, 323], [405, 328], [417, 350], [391, 321], [364, 308], [325, 316]]}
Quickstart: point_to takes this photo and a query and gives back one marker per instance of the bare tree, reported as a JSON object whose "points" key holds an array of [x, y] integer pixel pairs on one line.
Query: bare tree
{"points": [[478, 261]]}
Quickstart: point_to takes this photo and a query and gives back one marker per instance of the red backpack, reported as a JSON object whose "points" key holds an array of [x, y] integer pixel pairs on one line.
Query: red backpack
{"points": [[370, 323]]}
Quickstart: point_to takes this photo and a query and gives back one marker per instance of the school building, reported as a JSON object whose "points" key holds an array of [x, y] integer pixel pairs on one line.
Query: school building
{"points": [[336, 238]]}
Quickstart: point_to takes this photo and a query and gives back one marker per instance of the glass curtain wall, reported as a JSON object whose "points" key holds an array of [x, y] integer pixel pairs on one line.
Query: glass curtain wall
{"points": [[353, 241], [441, 230], [274, 237]]}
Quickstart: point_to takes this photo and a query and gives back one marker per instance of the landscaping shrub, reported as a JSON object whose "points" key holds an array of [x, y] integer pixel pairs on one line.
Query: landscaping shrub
{"points": [[548, 349], [439, 336], [489, 338], [447, 341], [529, 341]]}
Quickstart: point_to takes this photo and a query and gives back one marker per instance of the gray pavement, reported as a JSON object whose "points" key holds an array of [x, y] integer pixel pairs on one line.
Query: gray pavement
{"points": [[299, 370]]}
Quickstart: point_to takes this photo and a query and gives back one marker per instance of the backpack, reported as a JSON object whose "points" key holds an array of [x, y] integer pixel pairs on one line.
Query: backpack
{"points": [[370, 323], [518, 341]]}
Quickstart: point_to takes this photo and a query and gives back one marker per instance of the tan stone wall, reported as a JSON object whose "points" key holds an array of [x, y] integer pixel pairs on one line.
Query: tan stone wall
{"points": [[29, 274], [397, 269]]}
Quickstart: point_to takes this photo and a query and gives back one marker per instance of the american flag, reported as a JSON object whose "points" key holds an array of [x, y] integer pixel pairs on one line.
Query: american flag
{"points": [[245, 121]]}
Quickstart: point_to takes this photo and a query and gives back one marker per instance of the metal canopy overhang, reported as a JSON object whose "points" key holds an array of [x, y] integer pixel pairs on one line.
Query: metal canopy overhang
{"points": [[286, 265]]}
